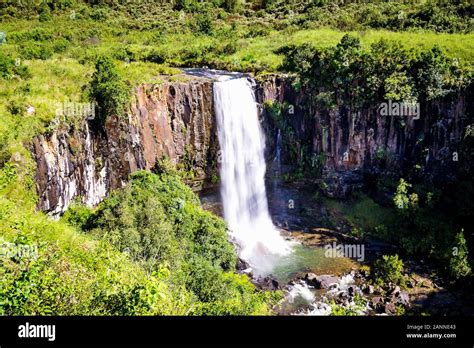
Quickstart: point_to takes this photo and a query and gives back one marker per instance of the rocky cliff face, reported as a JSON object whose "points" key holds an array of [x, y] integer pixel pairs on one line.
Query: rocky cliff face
{"points": [[347, 144], [173, 120], [176, 120]]}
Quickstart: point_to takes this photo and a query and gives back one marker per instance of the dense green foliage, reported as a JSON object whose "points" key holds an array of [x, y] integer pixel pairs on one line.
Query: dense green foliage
{"points": [[49, 268], [158, 221], [347, 15], [459, 264], [359, 78], [154, 252], [109, 89], [389, 268]]}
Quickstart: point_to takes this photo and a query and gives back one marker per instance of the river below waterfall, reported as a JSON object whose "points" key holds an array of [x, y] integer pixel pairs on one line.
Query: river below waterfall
{"points": [[290, 224], [263, 217], [294, 224], [282, 229]]}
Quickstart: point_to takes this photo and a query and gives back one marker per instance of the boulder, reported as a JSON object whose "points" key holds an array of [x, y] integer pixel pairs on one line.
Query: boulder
{"points": [[248, 271], [242, 264], [377, 303], [403, 298], [390, 308], [267, 283], [324, 281], [310, 278]]}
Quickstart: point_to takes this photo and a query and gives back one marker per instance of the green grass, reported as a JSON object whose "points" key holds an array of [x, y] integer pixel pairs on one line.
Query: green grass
{"points": [[260, 50], [65, 75], [74, 274]]}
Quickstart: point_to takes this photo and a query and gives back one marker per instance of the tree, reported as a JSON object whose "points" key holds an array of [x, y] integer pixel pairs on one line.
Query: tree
{"points": [[109, 89], [389, 269], [459, 264], [402, 199]]}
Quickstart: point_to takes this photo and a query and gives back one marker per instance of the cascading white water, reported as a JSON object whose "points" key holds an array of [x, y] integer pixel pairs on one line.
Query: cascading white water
{"points": [[242, 170]]}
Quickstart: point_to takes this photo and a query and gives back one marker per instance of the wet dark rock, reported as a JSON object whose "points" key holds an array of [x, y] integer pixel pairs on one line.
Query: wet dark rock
{"points": [[310, 278], [324, 281], [426, 283], [340, 184], [395, 289], [377, 303], [248, 271], [403, 298], [242, 264], [390, 308], [267, 283]]}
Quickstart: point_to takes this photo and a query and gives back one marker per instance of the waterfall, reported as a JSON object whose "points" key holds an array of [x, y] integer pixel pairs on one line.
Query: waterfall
{"points": [[242, 169], [277, 159]]}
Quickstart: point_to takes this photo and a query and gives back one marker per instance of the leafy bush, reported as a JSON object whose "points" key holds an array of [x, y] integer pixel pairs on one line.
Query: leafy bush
{"points": [[389, 269], [185, 5], [157, 220], [36, 50], [404, 200], [7, 65], [459, 264], [16, 106], [78, 215], [45, 13], [231, 5], [109, 89], [360, 78], [203, 22]]}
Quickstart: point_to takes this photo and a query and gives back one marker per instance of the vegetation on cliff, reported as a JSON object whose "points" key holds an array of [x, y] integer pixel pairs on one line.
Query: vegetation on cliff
{"points": [[149, 248]]}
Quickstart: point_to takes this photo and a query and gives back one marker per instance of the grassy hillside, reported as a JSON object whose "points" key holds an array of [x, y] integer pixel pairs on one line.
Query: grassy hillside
{"points": [[48, 55]]}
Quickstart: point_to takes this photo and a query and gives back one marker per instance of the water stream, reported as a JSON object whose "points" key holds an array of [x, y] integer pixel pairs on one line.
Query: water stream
{"points": [[243, 200], [242, 170]]}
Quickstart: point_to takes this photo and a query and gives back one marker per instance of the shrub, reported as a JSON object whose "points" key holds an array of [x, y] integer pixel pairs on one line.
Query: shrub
{"points": [[45, 13], [99, 14], [109, 89], [35, 50], [78, 215], [7, 65], [16, 106], [157, 220], [402, 199], [459, 264], [231, 5], [157, 56], [186, 5], [60, 45], [389, 269], [203, 22]]}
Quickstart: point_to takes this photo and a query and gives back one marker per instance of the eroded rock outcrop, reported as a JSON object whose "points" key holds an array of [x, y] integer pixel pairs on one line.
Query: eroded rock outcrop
{"points": [[346, 144], [172, 119], [176, 120]]}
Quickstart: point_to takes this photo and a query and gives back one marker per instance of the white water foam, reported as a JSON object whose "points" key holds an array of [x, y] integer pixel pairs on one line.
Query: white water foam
{"points": [[300, 289], [242, 169]]}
